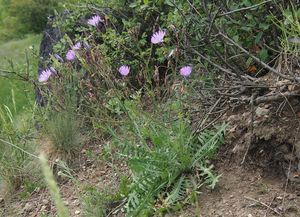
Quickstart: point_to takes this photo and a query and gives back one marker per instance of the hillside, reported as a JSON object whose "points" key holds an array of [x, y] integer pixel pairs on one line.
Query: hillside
{"points": [[153, 108]]}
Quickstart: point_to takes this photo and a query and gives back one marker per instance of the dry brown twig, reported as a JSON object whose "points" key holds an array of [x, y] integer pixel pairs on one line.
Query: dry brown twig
{"points": [[251, 127], [266, 213], [245, 8], [263, 204], [273, 97], [257, 59], [215, 65]]}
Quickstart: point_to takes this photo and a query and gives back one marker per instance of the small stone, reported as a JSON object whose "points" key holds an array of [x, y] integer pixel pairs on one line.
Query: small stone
{"points": [[43, 208], [1, 200], [249, 215], [279, 198], [292, 196], [28, 207], [231, 196], [77, 212], [44, 201], [261, 111], [76, 202], [66, 203]]}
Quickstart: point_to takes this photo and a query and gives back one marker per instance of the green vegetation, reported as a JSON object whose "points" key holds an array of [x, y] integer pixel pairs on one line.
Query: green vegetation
{"points": [[26, 16], [15, 157], [147, 115], [18, 55], [63, 130], [17, 109], [62, 211], [164, 157]]}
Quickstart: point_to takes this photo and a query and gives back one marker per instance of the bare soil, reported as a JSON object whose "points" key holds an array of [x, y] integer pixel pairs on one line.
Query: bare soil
{"points": [[259, 164]]}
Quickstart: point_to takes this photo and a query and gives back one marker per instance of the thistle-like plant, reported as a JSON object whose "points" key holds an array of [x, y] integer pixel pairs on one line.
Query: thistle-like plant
{"points": [[164, 160]]}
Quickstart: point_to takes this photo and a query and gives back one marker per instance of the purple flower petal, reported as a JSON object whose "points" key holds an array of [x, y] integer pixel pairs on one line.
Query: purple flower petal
{"points": [[77, 46], [95, 20], [44, 75], [186, 71], [158, 37], [124, 70], [58, 58], [71, 55]]}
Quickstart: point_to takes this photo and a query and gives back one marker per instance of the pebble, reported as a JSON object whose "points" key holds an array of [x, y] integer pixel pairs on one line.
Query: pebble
{"points": [[28, 207], [77, 212], [43, 208], [76, 202], [261, 112], [292, 196], [249, 215]]}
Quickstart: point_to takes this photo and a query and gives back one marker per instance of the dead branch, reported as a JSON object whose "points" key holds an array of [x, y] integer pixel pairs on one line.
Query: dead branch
{"points": [[215, 65], [267, 98], [251, 127], [275, 97], [245, 8], [265, 205], [257, 59]]}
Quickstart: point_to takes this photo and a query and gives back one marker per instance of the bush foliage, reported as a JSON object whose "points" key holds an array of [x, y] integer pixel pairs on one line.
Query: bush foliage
{"points": [[26, 16]]}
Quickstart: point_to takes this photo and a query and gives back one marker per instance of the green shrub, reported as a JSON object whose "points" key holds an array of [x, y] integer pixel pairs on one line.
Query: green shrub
{"points": [[31, 14], [290, 30], [18, 18], [63, 130], [94, 203]]}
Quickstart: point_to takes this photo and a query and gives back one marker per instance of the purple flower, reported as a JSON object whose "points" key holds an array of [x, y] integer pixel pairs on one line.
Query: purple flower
{"points": [[186, 71], [158, 37], [58, 58], [94, 21], [124, 70], [70, 55], [45, 75], [77, 46]]}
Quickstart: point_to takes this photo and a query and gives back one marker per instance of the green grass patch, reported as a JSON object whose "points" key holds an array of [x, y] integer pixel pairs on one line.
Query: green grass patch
{"points": [[14, 53]]}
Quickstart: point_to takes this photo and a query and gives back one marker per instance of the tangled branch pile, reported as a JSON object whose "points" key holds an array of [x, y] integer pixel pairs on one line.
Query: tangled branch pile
{"points": [[256, 84]]}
